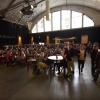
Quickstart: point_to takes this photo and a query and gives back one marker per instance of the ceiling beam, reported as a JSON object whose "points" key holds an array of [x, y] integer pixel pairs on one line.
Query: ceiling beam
{"points": [[20, 18], [19, 4], [12, 6], [3, 11]]}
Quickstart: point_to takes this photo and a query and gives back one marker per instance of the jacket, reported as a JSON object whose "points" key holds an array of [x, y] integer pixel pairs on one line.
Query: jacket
{"points": [[98, 60]]}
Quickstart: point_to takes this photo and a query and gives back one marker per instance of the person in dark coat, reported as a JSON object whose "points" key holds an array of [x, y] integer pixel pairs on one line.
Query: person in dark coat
{"points": [[72, 54], [93, 57], [98, 67]]}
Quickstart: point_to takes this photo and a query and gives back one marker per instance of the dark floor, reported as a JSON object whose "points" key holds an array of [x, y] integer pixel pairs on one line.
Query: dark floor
{"points": [[16, 83]]}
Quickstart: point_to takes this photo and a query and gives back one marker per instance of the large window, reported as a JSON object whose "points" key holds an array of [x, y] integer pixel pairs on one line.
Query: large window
{"points": [[40, 25], [76, 19], [64, 19], [34, 30], [47, 23], [56, 20], [87, 21]]}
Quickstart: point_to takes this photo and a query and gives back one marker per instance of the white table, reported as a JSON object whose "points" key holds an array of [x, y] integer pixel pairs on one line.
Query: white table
{"points": [[55, 57]]}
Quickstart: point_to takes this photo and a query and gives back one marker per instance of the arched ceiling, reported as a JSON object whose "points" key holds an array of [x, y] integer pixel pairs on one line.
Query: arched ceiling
{"points": [[10, 9]]}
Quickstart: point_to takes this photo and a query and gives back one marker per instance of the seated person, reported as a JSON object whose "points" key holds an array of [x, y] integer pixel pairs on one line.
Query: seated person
{"points": [[42, 65], [10, 58]]}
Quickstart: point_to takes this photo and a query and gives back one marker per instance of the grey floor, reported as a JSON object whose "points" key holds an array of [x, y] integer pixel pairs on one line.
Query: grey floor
{"points": [[16, 83]]}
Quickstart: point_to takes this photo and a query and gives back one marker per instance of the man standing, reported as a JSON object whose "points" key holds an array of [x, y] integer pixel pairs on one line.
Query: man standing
{"points": [[93, 56], [98, 67], [72, 54]]}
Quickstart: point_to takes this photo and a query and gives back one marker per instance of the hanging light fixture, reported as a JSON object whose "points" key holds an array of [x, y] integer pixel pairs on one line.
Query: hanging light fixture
{"points": [[47, 10]]}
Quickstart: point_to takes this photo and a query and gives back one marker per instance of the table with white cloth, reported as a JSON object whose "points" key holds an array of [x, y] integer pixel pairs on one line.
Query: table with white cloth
{"points": [[56, 59]]}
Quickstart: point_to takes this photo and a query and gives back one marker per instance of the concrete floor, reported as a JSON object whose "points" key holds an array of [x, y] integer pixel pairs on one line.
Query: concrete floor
{"points": [[16, 83]]}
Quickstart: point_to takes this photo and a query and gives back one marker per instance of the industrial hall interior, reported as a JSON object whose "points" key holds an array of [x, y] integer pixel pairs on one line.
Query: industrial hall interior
{"points": [[49, 49]]}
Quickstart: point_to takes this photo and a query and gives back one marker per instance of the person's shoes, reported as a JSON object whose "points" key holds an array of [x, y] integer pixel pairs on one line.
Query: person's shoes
{"points": [[94, 80], [81, 70], [72, 72], [58, 73], [66, 76], [70, 75], [93, 74], [52, 69]]}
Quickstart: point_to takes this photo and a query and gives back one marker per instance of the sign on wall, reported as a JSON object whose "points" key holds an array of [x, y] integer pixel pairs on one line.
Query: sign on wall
{"points": [[57, 41], [84, 39]]}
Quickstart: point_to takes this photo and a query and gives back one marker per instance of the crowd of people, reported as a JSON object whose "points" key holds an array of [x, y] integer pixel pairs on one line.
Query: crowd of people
{"points": [[15, 54]]}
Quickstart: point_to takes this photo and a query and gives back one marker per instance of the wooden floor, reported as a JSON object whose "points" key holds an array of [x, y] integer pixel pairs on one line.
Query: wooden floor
{"points": [[16, 83]]}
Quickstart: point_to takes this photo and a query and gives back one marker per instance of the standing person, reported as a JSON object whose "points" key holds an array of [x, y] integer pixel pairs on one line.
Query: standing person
{"points": [[69, 64], [98, 67], [93, 56], [81, 58], [64, 61], [88, 47], [72, 54]]}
